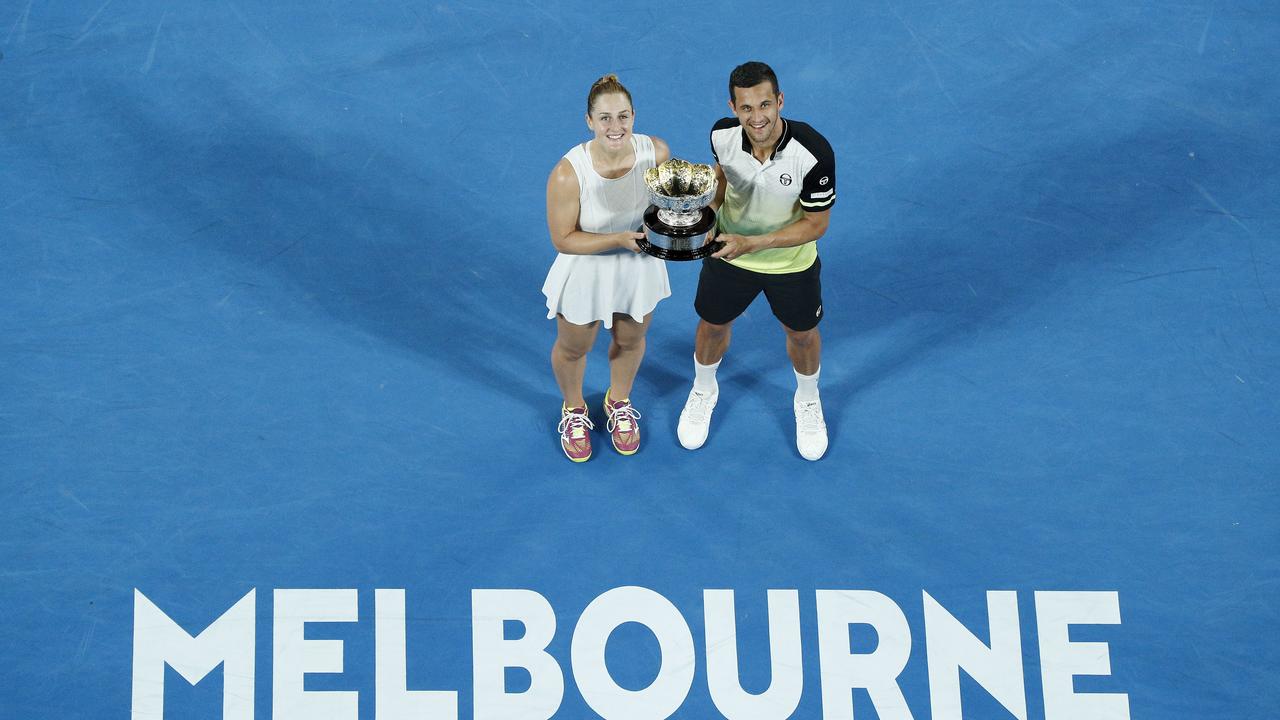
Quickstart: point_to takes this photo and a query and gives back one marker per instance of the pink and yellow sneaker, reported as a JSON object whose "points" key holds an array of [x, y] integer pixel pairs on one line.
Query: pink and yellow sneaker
{"points": [[622, 425], [574, 439]]}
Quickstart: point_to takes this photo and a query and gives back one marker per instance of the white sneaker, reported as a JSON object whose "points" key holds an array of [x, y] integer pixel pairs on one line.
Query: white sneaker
{"points": [[695, 419], [811, 429]]}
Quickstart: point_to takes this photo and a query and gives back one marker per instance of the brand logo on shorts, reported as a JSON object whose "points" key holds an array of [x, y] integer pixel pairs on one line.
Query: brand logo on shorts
{"points": [[819, 313], [785, 179]]}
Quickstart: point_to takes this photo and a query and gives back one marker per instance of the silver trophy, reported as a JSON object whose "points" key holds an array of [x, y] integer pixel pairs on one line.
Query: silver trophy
{"points": [[677, 223]]}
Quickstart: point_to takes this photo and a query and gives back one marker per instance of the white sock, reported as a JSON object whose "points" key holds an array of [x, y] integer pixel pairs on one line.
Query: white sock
{"points": [[807, 386], [704, 376]]}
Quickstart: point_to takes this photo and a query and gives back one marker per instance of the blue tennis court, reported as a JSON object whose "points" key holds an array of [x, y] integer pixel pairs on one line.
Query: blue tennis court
{"points": [[278, 426]]}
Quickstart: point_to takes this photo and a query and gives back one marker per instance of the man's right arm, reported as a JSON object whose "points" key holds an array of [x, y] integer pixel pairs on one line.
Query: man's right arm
{"points": [[721, 184]]}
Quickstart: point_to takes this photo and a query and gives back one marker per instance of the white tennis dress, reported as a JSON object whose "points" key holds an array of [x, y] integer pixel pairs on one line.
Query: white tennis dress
{"points": [[585, 288]]}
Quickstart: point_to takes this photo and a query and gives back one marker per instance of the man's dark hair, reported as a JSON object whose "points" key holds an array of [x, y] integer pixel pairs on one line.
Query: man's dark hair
{"points": [[751, 74]]}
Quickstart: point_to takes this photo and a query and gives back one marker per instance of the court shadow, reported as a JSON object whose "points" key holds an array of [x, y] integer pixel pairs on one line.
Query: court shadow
{"points": [[403, 251], [965, 258]]}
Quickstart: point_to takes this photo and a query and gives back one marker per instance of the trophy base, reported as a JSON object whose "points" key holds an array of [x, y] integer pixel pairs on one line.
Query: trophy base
{"points": [[676, 242]]}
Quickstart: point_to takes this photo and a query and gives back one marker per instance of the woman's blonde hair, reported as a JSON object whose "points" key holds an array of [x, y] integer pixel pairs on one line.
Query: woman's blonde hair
{"points": [[604, 86]]}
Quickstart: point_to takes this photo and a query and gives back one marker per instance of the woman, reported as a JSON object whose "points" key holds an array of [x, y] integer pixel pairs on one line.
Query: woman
{"points": [[596, 198]]}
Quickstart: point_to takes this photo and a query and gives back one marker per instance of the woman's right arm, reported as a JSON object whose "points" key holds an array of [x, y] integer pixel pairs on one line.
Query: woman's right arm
{"points": [[562, 218]]}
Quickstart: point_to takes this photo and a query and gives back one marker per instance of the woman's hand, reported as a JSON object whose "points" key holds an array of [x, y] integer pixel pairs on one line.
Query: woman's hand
{"points": [[628, 240]]}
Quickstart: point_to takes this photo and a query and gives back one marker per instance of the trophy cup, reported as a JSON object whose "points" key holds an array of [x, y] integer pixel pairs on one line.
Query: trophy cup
{"points": [[677, 223]]}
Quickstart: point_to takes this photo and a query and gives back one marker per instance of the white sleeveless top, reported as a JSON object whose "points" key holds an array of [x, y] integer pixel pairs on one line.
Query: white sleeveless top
{"points": [[610, 205], [586, 288]]}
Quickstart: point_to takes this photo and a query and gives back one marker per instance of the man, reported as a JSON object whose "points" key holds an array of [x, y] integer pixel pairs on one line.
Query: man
{"points": [[777, 185]]}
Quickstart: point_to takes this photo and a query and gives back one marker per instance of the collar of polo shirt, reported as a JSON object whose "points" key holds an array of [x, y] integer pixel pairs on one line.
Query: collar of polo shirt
{"points": [[777, 148]]}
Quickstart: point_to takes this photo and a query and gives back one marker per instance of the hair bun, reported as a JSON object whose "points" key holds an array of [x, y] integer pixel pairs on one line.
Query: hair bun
{"points": [[606, 84]]}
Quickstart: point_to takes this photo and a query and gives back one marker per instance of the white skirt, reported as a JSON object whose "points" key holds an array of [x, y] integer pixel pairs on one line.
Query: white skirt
{"points": [[586, 288]]}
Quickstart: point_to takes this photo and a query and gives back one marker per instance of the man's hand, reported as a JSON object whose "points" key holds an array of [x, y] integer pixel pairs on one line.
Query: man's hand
{"points": [[737, 245]]}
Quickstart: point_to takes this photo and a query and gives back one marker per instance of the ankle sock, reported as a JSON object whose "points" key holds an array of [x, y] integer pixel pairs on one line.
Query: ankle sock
{"points": [[704, 376], [807, 386]]}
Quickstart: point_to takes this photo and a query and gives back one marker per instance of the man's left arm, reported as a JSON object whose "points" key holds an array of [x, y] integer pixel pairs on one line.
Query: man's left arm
{"points": [[808, 228]]}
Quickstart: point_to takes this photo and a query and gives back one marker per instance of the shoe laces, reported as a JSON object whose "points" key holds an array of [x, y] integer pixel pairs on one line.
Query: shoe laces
{"points": [[809, 416], [698, 408], [623, 416], [574, 420]]}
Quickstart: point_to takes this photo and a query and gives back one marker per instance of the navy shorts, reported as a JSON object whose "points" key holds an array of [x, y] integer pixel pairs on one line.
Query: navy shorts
{"points": [[725, 290]]}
